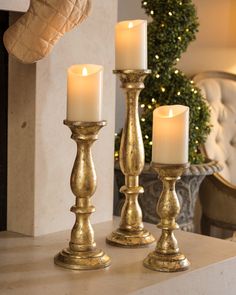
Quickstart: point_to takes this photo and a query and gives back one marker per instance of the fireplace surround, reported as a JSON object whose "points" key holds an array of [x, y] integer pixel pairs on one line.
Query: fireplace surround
{"points": [[40, 154], [4, 20]]}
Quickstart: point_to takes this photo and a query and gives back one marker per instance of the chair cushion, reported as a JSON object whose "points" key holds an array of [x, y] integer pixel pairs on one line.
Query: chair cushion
{"points": [[218, 202], [221, 143]]}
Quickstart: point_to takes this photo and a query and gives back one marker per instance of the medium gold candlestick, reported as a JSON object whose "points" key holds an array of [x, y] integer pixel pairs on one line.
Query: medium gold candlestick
{"points": [[82, 252], [131, 232], [167, 257]]}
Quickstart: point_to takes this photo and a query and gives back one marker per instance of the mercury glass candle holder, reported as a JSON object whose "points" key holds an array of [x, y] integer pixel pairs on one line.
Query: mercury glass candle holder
{"points": [[167, 256], [82, 252], [131, 232]]}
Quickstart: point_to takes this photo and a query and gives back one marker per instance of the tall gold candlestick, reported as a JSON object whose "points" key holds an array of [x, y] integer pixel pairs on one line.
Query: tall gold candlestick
{"points": [[167, 257], [82, 252], [131, 232]]}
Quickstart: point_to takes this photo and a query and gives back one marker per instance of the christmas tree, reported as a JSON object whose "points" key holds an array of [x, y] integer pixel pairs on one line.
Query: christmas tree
{"points": [[174, 25]]}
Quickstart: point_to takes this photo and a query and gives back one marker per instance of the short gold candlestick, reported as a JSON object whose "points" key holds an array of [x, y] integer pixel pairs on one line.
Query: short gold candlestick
{"points": [[82, 252], [167, 257], [131, 232]]}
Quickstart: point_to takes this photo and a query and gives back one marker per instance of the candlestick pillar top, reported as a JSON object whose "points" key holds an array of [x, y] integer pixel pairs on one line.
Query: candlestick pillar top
{"points": [[132, 78]]}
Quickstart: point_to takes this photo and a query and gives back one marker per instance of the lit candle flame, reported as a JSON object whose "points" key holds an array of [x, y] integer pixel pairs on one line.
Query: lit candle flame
{"points": [[84, 72], [170, 113], [130, 25]]}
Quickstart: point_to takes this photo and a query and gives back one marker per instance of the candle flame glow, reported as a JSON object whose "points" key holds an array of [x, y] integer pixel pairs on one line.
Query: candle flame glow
{"points": [[84, 72], [130, 25], [170, 113]]}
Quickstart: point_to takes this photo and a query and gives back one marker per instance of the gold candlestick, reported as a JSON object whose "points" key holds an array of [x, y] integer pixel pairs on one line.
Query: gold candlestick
{"points": [[82, 252], [167, 257], [131, 232]]}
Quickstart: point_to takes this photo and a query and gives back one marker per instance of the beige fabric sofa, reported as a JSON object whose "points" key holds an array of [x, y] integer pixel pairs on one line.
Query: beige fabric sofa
{"points": [[218, 192]]}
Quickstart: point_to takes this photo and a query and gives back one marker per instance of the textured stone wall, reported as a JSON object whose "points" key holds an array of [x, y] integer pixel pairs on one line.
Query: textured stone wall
{"points": [[41, 153]]}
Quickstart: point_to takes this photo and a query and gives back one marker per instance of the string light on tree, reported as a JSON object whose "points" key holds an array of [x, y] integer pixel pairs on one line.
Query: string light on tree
{"points": [[167, 84]]}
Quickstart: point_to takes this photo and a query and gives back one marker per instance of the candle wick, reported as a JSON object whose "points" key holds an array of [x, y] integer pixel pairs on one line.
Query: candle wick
{"points": [[130, 25], [171, 113], [84, 72]]}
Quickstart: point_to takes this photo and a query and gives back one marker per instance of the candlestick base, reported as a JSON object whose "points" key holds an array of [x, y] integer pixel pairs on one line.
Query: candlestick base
{"points": [[126, 239], [82, 260], [166, 263]]}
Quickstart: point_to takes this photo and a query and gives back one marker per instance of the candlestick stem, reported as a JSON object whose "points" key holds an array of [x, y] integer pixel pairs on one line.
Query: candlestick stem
{"points": [[167, 257], [82, 252], [131, 232]]}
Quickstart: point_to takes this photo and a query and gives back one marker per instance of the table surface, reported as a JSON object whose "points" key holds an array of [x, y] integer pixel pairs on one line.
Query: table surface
{"points": [[26, 264]]}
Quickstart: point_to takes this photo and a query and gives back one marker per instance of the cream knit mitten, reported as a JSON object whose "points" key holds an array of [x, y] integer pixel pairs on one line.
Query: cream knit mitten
{"points": [[34, 34]]}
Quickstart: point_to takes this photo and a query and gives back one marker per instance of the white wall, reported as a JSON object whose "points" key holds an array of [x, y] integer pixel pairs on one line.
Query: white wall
{"points": [[42, 153], [215, 47]]}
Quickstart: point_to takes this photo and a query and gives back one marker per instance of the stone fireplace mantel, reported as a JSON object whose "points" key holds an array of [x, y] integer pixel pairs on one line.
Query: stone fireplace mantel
{"points": [[40, 151], [14, 5]]}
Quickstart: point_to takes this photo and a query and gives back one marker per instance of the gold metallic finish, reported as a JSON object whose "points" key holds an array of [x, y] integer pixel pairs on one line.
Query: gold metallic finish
{"points": [[167, 257], [131, 232], [82, 252]]}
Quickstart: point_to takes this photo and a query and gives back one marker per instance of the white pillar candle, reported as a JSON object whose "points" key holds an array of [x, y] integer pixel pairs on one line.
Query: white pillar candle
{"points": [[84, 92], [131, 45], [170, 134]]}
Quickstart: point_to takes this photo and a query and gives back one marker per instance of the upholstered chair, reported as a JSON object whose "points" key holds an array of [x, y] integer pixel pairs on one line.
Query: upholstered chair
{"points": [[218, 192]]}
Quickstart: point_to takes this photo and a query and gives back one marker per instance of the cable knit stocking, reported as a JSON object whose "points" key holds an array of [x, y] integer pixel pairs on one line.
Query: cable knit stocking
{"points": [[34, 34]]}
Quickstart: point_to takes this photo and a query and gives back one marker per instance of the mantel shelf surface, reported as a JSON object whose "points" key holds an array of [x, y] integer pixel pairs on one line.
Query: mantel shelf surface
{"points": [[26, 267]]}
